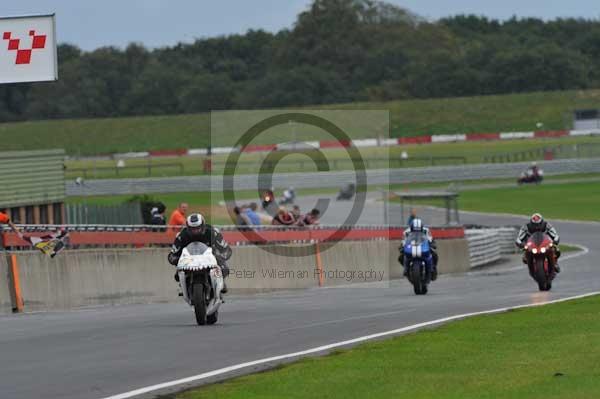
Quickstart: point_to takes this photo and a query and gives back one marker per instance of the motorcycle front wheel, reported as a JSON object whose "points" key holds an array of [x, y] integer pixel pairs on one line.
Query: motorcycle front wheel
{"points": [[540, 275], [199, 304], [416, 279]]}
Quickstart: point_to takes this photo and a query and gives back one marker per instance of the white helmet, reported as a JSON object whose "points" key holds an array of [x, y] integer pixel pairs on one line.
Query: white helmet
{"points": [[194, 221]]}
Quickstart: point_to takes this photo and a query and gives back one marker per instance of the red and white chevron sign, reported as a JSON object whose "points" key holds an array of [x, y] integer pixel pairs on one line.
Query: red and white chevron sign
{"points": [[28, 49]]}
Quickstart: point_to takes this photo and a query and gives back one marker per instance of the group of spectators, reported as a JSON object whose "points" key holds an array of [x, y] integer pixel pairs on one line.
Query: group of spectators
{"points": [[284, 217], [177, 218], [247, 215]]}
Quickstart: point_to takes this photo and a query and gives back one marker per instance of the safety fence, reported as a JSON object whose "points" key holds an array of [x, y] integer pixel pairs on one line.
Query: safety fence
{"points": [[563, 151], [155, 167], [487, 246], [89, 236], [91, 214], [325, 179], [372, 142]]}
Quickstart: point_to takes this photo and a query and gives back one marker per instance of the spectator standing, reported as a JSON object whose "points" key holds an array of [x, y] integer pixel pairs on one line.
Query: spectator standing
{"points": [[178, 216], [5, 219], [413, 216], [158, 216], [251, 214]]}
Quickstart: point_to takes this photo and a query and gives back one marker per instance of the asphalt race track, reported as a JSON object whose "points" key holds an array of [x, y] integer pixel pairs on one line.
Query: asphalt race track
{"points": [[98, 353]]}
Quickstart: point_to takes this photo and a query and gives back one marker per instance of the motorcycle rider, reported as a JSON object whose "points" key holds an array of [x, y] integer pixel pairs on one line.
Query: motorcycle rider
{"points": [[533, 169], [538, 224], [416, 225], [197, 230], [288, 196]]}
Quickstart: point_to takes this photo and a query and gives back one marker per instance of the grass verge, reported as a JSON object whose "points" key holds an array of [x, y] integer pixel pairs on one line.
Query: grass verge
{"points": [[575, 201], [564, 200], [565, 248], [545, 352]]}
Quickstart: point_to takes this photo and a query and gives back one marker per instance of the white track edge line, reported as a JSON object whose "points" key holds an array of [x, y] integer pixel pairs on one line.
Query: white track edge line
{"points": [[324, 348]]}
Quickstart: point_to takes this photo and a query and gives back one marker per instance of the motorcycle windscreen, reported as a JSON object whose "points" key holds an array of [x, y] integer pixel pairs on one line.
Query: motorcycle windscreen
{"points": [[538, 239], [416, 240], [196, 248]]}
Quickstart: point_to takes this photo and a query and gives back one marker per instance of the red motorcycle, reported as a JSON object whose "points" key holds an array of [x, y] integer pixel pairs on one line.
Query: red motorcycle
{"points": [[541, 257], [531, 177]]}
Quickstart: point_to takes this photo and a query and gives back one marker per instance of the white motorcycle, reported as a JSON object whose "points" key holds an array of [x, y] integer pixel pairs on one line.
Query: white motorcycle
{"points": [[201, 281]]}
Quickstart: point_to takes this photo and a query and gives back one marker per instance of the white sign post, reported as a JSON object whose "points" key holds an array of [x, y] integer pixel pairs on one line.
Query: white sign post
{"points": [[28, 49]]}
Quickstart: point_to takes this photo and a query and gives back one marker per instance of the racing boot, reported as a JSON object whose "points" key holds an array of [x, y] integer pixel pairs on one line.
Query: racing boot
{"points": [[225, 273], [434, 273], [176, 278]]}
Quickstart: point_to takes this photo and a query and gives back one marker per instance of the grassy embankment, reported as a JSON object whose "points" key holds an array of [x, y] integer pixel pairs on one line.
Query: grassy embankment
{"points": [[576, 201], [545, 352], [518, 112]]}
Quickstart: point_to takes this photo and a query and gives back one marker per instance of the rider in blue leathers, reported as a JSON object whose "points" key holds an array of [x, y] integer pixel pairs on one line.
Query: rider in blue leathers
{"points": [[416, 225]]}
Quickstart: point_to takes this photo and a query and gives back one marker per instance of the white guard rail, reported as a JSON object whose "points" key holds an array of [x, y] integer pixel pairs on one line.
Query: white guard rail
{"points": [[488, 245]]}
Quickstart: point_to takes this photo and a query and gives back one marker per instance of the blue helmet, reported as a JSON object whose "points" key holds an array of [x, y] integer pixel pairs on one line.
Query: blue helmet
{"points": [[416, 225]]}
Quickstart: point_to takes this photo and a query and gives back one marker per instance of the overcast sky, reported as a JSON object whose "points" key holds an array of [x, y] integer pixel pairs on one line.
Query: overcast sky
{"points": [[155, 23]]}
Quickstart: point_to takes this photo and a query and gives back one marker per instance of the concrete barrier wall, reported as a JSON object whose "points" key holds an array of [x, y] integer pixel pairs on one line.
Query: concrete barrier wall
{"points": [[281, 267], [94, 277], [80, 278], [5, 296]]}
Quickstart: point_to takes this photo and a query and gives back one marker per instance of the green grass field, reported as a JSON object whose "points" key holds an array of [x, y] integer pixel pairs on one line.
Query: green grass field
{"points": [[408, 118], [573, 201], [378, 157], [576, 201], [548, 352]]}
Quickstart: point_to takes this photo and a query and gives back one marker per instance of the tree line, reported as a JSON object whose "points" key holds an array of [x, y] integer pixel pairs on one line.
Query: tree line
{"points": [[337, 51]]}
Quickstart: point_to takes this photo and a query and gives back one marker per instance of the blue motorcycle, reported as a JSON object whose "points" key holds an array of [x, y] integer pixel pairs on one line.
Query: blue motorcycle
{"points": [[419, 261]]}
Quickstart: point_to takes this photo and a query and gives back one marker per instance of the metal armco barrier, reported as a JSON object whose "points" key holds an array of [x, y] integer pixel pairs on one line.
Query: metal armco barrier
{"points": [[328, 179], [484, 248], [488, 245]]}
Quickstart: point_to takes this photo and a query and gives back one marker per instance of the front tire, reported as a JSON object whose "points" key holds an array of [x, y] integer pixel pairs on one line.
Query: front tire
{"points": [[540, 274], [419, 286], [200, 304]]}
